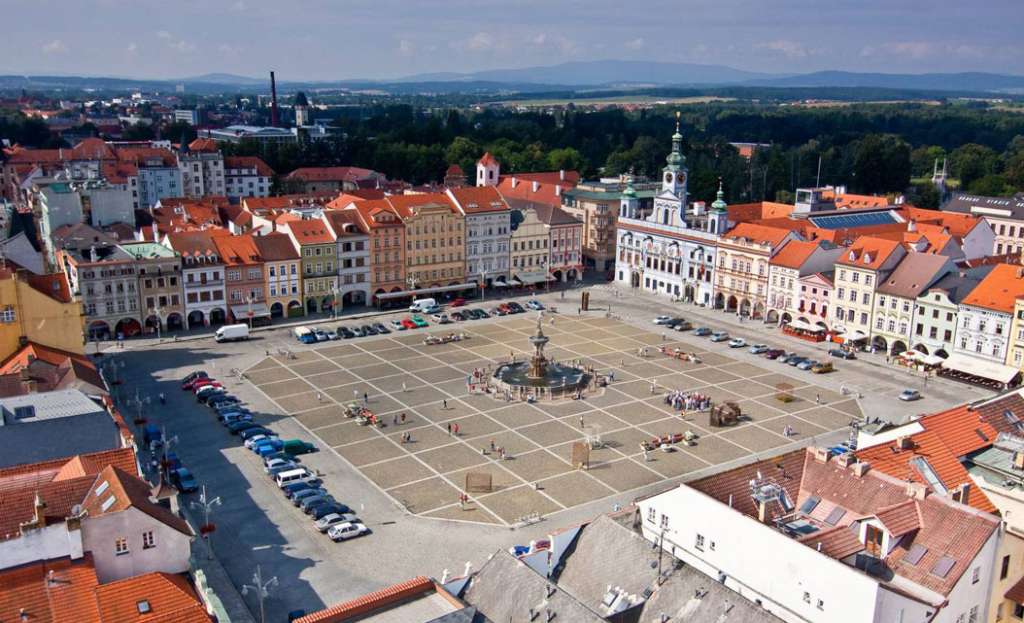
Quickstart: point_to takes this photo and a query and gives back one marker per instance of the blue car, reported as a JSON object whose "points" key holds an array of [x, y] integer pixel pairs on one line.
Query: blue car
{"points": [[183, 480], [267, 446]]}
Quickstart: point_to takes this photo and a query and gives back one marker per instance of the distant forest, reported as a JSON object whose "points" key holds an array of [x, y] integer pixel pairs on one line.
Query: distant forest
{"points": [[872, 148]]}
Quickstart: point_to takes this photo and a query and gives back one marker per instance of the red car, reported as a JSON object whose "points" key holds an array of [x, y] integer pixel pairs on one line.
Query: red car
{"points": [[191, 384], [202, 383], [459, 302], [213, 384], [408, 324], [505, 308]]}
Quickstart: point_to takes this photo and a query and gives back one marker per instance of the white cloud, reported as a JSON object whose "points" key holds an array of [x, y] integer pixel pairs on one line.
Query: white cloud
{"points": [[55, 47], [163, 34], [480, 41], [406, 47], [178, 45], [636, 44], [785, 47], [228, 50], [132, 48], [554, 42]]}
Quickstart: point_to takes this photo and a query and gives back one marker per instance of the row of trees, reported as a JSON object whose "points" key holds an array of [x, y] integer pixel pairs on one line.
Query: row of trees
{"points": [[869, 148]]}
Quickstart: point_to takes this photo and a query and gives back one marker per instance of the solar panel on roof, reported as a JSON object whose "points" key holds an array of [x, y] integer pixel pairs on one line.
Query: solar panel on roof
{"points": [[846, 221], [915, 554], [836, 514], [942, 566], [809, 504]]}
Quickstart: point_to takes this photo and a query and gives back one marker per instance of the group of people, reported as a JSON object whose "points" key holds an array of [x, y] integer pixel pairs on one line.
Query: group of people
{"points": [[688, 401]]}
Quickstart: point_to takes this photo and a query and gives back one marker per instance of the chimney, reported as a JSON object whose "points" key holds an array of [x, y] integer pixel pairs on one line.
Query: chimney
{"points": [[917, 491], [845, 459], [535, 185], [515, 182], [762, 511], [1018, 460], [961, 493], [904, 443], [273, 101], [820, 454], [859, 469], [558, 190], [911, 225], [561, 174]]}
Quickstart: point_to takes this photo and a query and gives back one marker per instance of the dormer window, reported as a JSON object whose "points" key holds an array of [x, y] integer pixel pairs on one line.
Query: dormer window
{"points": [[852, 256], [867, 258]]}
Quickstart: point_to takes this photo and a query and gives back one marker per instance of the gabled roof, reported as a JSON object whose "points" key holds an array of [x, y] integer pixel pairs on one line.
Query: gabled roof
{"points": [[345, 223], [203, 144], [248, 162], [868, 252], [900, 518], [406, 205], [122, 492], [390, 601], [913, 275], [276, 247], [487, 159], [310, 231], [957, 224], [760, 234], [744, 212], [52, 368], [238, 250], [794, 253], [332, 174], [547, 214], [478, 200], [998, 290], [66, 596], [170, 599], [196, 243], [377, 213]]}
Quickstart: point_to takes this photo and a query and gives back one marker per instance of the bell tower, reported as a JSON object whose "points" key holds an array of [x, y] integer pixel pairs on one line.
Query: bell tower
{"points": [[628, 205], [718, 216], [673, 176]]}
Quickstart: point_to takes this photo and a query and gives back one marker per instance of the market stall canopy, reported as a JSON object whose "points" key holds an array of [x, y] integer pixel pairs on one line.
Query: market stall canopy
{"points": [[980, 368]]}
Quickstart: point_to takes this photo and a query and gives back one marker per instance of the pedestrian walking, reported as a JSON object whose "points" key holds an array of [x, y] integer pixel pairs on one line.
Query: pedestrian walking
{"points": [[449, 429], [403, 417], [817, 398], [394, 420], [319, 398], [444, 404], [581, 422], [455, 429], [405, 389], [492, 445], [366, 398]]}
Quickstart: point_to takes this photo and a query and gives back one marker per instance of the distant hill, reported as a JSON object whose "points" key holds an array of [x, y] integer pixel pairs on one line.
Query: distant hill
{"points": [[969, 81], [222, 78], [596, 73]]}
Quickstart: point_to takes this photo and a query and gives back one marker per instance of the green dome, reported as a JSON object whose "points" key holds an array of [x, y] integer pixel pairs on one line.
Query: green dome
{"points": [[629, 191], [720, 205]]}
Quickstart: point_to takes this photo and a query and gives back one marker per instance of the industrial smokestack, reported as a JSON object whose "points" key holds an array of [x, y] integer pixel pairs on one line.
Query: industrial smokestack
{"points": [[273, 101]]}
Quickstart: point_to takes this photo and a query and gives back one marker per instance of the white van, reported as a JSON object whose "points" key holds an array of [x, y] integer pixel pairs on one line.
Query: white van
{"points": [[422, 305], [300, 332], [292, 475], [232, 332]]}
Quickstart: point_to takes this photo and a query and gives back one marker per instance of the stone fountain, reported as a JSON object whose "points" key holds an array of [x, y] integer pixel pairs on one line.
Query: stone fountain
{"points": [[538, 375]]}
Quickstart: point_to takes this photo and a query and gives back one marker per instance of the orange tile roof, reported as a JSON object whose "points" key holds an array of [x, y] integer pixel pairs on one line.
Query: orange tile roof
{"points": [[361, 606], [331, 174], [848, 200], [868, 252], [128, 492], [204, 144], [794, 253], [374, 211], [758, 233], [958, 223], [65, 597], [479, 199], [248, 162], [487, 159], [999, 289], [171, 599], [310, 231], [512, 187], [238, 250], [404, 205], [761, 210]]}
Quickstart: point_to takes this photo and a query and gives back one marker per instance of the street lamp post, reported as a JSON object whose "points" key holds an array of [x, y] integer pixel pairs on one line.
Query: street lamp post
{"points": [[483, 284], [248, 303], [334, 304], [156, 310], [262, 589], [206, 504]]}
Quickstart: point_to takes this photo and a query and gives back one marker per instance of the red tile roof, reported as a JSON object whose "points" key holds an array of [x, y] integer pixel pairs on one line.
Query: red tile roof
{"points": [[310, 231], [565, 179], [171, 599], [515, 187], [238, 250], [998, 290], [65, 597], [332, 174], [405, 205], [248, 162], [487, 159], [868, 252], [957, 223], [745, 212], [206, 145], [377, 213], [61, 368], [900, 518], [371, 602], [760, 234], [479, 199], [276, 247], [794, 253], [128, 492]]}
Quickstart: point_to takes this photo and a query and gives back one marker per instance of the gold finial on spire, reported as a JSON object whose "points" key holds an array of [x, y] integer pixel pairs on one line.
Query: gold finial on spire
{"points": [[678, 115]]}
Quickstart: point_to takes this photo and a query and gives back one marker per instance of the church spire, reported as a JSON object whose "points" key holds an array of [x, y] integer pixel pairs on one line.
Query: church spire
{"points": [[675, 159], [719, 204]]}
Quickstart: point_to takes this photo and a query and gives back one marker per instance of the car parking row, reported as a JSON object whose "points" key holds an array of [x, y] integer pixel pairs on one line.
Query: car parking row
{"points": [[280, 460]]}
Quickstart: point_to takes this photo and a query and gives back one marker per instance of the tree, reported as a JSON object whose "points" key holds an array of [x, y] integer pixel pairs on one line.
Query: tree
{"points": [[178, 131], [138, 132], [925, 195], [565, 159], [990, 186], [923, 159], [972, 162], [881, 164]]}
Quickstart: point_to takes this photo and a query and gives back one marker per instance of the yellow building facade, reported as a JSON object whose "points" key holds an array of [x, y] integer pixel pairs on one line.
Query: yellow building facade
{"points": [[38, 309]]}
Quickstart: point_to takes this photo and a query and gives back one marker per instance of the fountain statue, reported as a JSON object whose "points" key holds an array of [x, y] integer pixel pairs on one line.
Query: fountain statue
{"points": [[538, 375]]}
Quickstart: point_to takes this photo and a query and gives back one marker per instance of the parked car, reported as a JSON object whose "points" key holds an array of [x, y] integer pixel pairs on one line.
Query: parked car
{"points": [[458, 302], [774, 353], [357, 331], [381, 328], [183, 480], [515, 308], [795, 360], [758, 349], [292, 488], [332, 519], [222, 399], [239, 426], [499, 311], [481, 314], [408, 324], [346, 333], [368, 329], [204, 383], [308, 492], [274, 471], [458, 316], [258, 430], [196, 382], [909, 395], [202, 397], [806, 364], [270, 445], [333, 508], [333, 335], [702, 331], [719, 336], [295, 447], [255, 440], [823, 367], [321, 335], [737, 342], [662, 319], [308, 503], [234, 416], [198, 374], [398, 325], [344, 531], [842, 353], [785, 357], [534, 304], [419, 321], [441, 318]]}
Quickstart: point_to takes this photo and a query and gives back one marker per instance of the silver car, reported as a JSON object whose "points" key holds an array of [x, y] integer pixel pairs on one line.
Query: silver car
{"points": [[324, 523]]}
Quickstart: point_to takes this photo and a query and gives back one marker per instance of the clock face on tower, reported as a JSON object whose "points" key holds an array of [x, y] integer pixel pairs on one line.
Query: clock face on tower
{"points": [[668, 178]]}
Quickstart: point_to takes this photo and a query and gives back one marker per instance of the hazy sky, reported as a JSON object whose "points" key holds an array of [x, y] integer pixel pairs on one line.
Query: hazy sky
{"points": [[391, 38]]}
